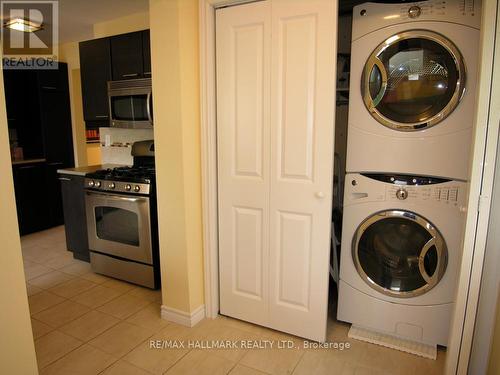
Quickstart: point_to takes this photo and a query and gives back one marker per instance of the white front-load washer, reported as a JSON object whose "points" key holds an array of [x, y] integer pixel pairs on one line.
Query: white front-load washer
{"points": [[400, 254], [412, 87]]}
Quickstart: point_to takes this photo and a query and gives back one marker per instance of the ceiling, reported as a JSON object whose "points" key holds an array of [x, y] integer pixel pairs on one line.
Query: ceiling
{"points": [[76, 17]]}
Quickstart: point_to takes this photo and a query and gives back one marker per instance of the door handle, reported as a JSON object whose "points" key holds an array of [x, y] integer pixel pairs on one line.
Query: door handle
{"points": [[148, 108], [430, 279], [130, 75], [101, 116], [116, 197], [64, 179], [319, 195], [373, 62]]}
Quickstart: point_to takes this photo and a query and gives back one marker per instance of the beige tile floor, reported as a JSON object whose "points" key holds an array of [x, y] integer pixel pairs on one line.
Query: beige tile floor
{"points": [[84, 323]]}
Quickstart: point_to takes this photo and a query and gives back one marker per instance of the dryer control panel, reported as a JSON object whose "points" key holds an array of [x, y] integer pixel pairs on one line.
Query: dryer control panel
{"points": [[369, 17]]}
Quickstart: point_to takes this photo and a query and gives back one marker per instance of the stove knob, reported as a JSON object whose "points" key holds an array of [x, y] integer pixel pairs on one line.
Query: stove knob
{"points": [[137, 188], [111, 185], [91, 183], [402, 194], [98, 184], [128, 187], [414, 11]]}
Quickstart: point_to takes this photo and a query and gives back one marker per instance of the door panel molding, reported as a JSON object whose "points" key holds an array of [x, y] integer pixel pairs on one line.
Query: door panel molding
{"points": [[243, 158]]}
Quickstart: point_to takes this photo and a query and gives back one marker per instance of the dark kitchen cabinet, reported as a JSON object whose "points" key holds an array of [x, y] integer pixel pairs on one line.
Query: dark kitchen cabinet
{"points": [[127, 56], [31, 197], [56, 125], [14, 83], [43, 130], [21, 97], [53, 198], [54, 79], [120, 57], [55, 118], [95, 71], [146, 53], [73, 198]]}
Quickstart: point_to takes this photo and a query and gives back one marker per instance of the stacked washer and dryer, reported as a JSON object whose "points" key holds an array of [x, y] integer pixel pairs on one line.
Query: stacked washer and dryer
{"points": [[409, 140]]}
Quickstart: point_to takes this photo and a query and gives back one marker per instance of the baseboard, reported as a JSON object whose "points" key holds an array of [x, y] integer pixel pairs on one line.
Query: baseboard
{"points": [[182, 317]]}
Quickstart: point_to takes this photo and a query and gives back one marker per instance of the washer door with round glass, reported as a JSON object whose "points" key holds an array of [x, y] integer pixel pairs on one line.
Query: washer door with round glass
{"points": [[413, 80], [399, 253]]}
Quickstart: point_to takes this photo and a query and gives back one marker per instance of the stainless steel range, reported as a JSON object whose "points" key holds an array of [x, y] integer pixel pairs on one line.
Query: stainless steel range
{"points": [[122, 219]]}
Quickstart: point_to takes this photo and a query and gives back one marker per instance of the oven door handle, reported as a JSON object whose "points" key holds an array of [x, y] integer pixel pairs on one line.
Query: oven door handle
{"points": [[116, 197]]}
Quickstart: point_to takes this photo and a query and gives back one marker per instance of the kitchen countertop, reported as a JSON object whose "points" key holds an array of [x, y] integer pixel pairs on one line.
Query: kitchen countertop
{"points": [[82, 171]]}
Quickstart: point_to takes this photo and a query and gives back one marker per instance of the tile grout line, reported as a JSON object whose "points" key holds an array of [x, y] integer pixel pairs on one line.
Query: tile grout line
{"points": [[178, 360], [50, 363], [78, 317], [297, 364], [88, 342]]}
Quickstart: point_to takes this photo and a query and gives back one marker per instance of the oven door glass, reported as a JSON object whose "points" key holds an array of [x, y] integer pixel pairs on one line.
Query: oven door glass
{"points": [[119, 225], [130, 107]]}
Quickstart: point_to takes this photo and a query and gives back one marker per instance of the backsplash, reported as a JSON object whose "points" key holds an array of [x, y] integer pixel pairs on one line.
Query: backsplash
{"points": [[116, 144]]}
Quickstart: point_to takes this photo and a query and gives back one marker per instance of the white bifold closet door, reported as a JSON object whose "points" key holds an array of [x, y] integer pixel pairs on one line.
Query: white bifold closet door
{"points": [[275, 124]]}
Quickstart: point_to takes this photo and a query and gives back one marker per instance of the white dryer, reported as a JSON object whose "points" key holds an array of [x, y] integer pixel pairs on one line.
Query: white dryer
{"points": [[412, 91], [401, 251]]}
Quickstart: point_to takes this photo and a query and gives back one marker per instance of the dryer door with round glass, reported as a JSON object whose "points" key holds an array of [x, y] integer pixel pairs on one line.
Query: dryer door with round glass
{"points": [[399, 253], [413, 80]]}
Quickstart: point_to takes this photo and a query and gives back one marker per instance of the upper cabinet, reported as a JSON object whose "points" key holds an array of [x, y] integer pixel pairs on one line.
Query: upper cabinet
{"points": [[55, 116], [54, 79], [146, 53], [131, 55], [126, 51], [95, 70], [125, 56]]}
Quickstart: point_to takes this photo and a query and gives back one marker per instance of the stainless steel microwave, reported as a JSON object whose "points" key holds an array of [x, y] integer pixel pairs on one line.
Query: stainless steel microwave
{"points": [[131, 103]]}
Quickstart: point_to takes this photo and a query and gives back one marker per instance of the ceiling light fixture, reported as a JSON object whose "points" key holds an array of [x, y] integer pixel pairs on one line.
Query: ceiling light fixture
{"points": [[21, 24]]}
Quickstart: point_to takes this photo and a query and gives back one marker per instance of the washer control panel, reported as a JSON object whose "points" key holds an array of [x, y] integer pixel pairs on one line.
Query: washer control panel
{"points": [[444, 193], [402, 191], [438, 8]]}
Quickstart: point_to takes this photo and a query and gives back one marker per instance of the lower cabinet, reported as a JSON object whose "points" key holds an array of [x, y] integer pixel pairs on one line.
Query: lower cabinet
{"points": [[38, 196], [54, 199], [31, 198], [75, 221]]}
